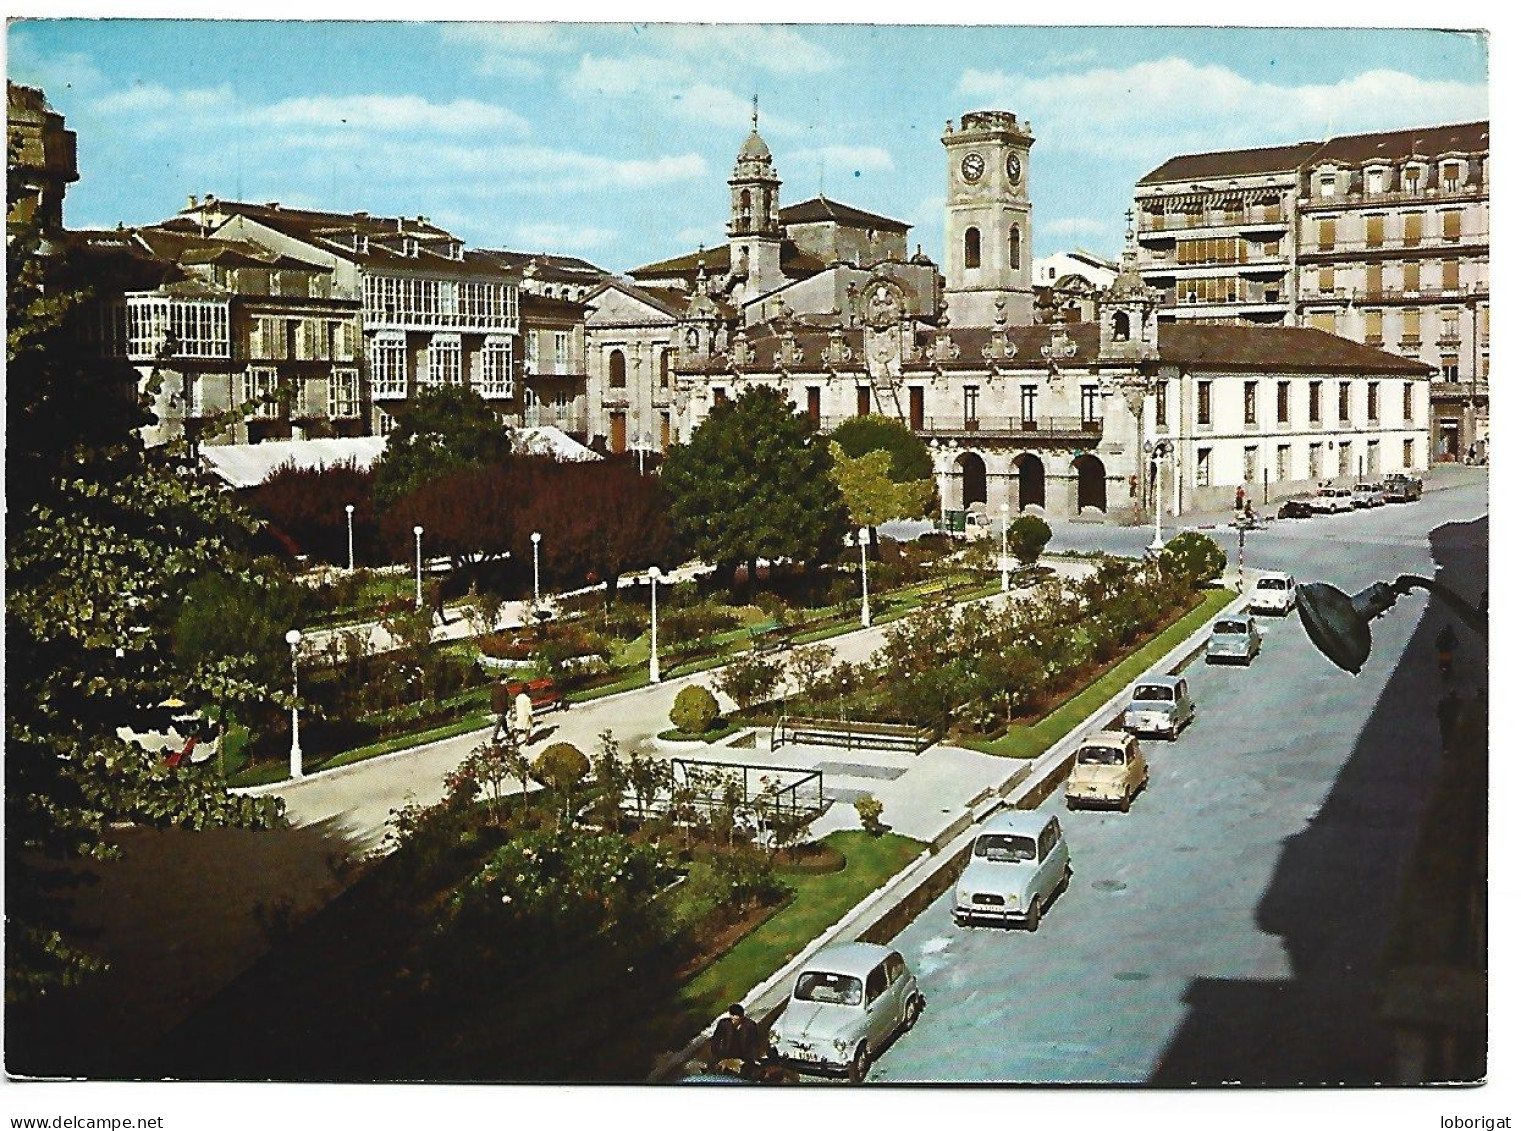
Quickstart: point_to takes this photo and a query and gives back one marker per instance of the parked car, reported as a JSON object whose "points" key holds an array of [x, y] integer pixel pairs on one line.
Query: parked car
{"points": [[1332, 500], [1019, 864], [1159, 704], [1401, 488], [1109, 770], [846, 1005], [1273, 592], [1295, 508], [1365, 495], [1235, 639]]}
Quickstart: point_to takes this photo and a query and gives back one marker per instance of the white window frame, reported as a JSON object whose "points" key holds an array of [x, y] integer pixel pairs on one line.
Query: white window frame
{"points": [[445, 361], [1203, 458], [495, 374], [388, 365], [562, 352], [343, 393], [260, 381]]}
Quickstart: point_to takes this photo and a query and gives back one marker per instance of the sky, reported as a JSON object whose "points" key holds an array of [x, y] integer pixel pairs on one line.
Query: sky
{"points": [[614, 141]]}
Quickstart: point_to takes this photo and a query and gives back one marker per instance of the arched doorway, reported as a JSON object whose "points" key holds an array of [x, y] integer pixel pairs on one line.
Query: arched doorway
{"points": [[1032, 481], [1091, 488], [974, 478]]}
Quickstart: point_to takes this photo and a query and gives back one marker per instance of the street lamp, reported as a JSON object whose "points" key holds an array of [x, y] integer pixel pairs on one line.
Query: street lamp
{"points": [[417, 535], [535, 538], [1158, 449], [654, 576], [293, 638], [1338, 625], [349, 510], [639, 442], [1003, 557], [861, 536]]}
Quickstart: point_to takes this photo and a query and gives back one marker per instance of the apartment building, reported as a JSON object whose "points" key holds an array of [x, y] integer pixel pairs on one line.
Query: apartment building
{"points": [[433, 312], [1381, 238]]}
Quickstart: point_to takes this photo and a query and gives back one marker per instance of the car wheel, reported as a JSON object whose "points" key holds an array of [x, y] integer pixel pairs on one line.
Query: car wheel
{"points": [[1071, 804], [1171, 733], [1032, 920], [1066, 878], [1125, 804], [858, 1064], [911, 1015]]}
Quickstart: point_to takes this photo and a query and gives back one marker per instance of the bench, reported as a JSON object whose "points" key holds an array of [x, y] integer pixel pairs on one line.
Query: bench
{"points": [[851, 734], [770, 636], [542, 693]]}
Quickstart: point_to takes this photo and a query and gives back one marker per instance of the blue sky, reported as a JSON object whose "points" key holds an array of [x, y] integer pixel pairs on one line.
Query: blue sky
{"points": [[614, 141]]}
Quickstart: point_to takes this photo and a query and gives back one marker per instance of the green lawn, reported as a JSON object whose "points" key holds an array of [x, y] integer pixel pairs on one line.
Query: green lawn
{"points": [[1031, 741], [819, 902]]}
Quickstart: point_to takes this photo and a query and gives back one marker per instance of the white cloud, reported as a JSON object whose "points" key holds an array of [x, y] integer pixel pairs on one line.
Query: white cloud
{"points": [[603, 76], [670, 86], [551, 236], [1071, 58], [840, 158], [391, 112], [780, 50], [1155, 109], [172, 109], [507, 50]]}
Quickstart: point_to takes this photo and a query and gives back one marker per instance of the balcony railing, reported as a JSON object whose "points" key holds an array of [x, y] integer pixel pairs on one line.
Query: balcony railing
{"points": [[1064, 428], [1179, 222], [1393, 243], [1436, 193]]}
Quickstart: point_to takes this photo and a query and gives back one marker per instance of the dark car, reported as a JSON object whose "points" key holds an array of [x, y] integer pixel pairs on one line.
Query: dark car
{"points": [[1402, 488], [1295, 508]]}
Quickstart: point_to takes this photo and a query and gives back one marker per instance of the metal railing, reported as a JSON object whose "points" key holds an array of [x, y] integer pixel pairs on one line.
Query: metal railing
{"points": [[1436, 193]]}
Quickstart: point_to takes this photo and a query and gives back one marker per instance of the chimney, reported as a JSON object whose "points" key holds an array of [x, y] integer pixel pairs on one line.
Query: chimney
{"points": [[191, 204]]}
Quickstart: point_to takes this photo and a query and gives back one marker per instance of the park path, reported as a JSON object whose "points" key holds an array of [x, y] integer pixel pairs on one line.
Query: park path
{"points": [[357, 800]]}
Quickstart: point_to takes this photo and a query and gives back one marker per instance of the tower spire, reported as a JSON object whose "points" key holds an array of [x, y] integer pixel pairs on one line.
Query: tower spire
{"points": [[755, 112]]}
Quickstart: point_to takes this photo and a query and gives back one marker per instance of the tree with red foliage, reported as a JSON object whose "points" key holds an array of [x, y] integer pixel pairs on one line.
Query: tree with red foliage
{"points": [[597, 518], [307, 505], [472, 516]]}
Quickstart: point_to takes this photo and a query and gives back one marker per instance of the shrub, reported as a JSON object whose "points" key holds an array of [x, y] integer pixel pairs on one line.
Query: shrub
{"points": [[749, 679], [869, 809], [1028, 535], [561, 767], [695, 710], [1192, 558]]}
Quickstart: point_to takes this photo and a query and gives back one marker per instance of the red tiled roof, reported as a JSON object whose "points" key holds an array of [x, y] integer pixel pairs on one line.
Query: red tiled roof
{"points": [[1231, 163], [821, 208], [1276, 348], [796, 263]]}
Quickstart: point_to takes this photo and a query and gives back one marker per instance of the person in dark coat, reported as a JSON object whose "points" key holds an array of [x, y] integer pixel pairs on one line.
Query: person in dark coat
{"points": [[501, 703], [737, 1037]]}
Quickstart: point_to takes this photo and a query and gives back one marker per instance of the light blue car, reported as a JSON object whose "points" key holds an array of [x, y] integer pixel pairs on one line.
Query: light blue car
{"points": [[1019, 864]]}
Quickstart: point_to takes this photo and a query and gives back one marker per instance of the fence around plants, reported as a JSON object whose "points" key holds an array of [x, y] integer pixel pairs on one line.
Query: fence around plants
{"points": [[777, 791]]}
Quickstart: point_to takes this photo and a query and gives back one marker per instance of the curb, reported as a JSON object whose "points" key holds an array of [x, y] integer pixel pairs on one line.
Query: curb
{"points": [[883, 913]]}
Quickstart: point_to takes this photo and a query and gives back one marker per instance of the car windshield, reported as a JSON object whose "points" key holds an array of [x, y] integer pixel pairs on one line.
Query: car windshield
{"points": [[1153, 693], [1230, 627], [1272, 583], [1101, 756], [1004, 847], [833, 989]]}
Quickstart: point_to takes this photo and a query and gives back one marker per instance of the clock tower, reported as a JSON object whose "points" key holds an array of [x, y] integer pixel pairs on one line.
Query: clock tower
{"points": [[987, 219]]}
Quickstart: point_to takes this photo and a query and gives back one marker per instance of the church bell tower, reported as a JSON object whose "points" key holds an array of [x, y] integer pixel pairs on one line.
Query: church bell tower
{"points": [[987, 219], [755, 224]]}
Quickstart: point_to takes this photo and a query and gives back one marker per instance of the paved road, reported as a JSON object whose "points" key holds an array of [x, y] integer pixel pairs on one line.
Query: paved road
{"points": [[1226, 928]]}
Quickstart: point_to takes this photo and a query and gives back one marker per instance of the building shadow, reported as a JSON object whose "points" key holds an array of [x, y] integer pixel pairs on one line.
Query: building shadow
{"points": [[178, 917], [1333, 895]]}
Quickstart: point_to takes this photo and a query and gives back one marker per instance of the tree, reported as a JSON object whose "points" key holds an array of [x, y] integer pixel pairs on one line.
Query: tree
{"points": [[1028, 535], [600, 518], [438, 431], [695, 710], [610, 779], [883, 469], [468, 514], [307, 504], [749, 679], [491, 765], [561, 767], [754, 482], [103, 539], [1192, 558]]}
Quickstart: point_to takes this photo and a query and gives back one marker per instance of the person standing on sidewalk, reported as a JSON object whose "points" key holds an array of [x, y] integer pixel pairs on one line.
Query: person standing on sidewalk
{"points": [[501, 703], [523, 707]]}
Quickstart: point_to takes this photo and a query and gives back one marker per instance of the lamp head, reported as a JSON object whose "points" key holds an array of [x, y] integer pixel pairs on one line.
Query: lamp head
{"points": [[864, 534], [293, 637], [417, 530], [349, 507], [654, 573], [535, 537], [1338, 624]]}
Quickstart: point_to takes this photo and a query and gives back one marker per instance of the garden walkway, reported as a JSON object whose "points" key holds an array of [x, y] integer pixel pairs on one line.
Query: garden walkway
{"points": [[356, 800]]}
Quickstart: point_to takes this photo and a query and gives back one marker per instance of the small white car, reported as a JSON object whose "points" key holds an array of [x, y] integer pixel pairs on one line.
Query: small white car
{"points": [[1019, 864], [1273, 592], [846, 1006], [1332, 500], [1159, 704], [1233, 639], [1365, 495]]}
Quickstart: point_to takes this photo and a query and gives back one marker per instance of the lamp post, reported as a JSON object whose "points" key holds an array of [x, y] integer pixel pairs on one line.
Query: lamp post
{"points": [[417, 535], [535, 538], [349, 510], [1159, 449], [639, 442], [861, 536], [654, 576], [293, 638], [1003, 557], [1338, 625]]}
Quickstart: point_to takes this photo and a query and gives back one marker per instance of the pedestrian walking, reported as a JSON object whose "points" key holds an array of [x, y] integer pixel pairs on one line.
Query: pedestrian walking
{"points": [[1449, 710], [1240, 497], [501, 703], [523, 706]]}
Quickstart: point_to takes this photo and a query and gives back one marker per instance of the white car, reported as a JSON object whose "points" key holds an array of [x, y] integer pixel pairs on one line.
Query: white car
{"points": [[846, 1006], [1019, 864], [1159, 704], [1332, 500], [1273, 592]]}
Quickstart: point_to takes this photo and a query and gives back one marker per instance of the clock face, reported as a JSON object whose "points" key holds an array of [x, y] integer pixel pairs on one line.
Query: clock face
{"points": [[1014, 168], [971, 167]]}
